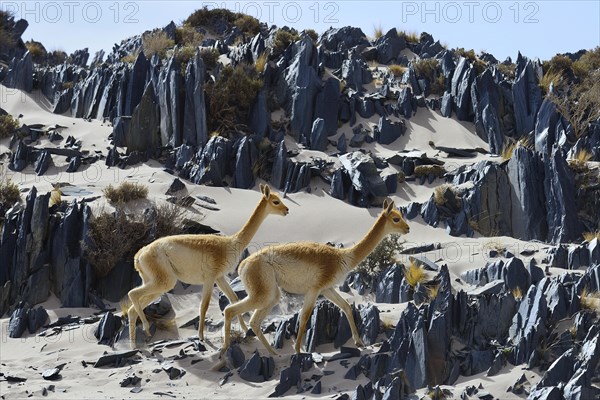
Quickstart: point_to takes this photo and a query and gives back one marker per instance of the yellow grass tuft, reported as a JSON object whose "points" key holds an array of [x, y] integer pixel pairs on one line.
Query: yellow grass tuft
{"points": [[410, 36], [589, 236], [414, 274], [125, 192], [508, 150], [261, 62], [433, 291], [438, 193], [377, 31], [396, 70], [517, 293], [589, 300]]}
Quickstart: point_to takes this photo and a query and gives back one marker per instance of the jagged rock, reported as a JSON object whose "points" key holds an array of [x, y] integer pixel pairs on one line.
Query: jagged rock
{"points": [[20, 73], [212, 166], [115, 359], [446, 105], [159, 308], [347, 36], [356, 73], [486, 99], [42, 163], [289, 377], [528, 325], [551, 128], [515, 275], [169, 99], [235, 356], [175, 187], [74, 164], [246, 156], [463, 77], [328, 105], [318, 135], [340, 184], [79, 57], [280, 165], [363, 174], [143, 133], [406, 102], [107, 329], [18, 322], [389, 46], [342, 144], [563, 223], [527, 96], [36, 318], [388, 286], [546, 393], [195, 131], [257, 369], [387, 131]]}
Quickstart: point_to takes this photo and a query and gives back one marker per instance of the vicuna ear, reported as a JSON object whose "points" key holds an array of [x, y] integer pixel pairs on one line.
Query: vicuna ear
{"points": [[266, 190], [390, 206], [386, 203]]}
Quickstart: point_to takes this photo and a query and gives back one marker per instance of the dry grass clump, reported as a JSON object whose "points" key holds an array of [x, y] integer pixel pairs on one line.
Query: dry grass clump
{"points": [[508, 150], [6, 39], [589, 236], [56, 57], [414, 274], [8, 125], [261, 62], [283, 38], [9, 193], [169, 219], [507, 70], [438, 193], [188, 36], [210, 57], [396, 70], [433, 291], [231, 97], [382, 257], [429, 69], [68, 85], [377, 31], [410, 36], [113, 236], [311, 33], [210, 18], [37, 51], [517, 293], [125, 192], [426, 170], [157, 43], [589, 300], [579, 162]]}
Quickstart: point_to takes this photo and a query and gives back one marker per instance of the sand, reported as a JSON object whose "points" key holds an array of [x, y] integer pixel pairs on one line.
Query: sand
{"points": [[313, 216]]}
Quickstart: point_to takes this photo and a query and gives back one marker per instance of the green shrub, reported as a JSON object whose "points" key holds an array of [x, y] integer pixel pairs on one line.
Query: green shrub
{"points": [[587, 63], [382, 257], [188, 36], [248, 25], [426, 170], [469, 54], [231, 97], [209, 18], [125, 192], [9, 193], [157, 43], [210, 57], [507, 70], [183, 55], [6, 39], [8, 125], [57, 57], [283, 39]]}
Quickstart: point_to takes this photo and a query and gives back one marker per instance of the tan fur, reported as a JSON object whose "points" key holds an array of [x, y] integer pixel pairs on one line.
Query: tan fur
{"points": [[307, 268], [195, 259]]}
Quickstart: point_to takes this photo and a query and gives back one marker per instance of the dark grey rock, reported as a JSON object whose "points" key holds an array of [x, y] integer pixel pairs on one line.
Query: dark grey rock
{"points": [[527, 96], [257, 369], [18, 322], [36, 318], [289, 377], [243, 177], [235, 356], [388, 131], [446, 105], [406, 102], [115, 359], [318, 135], [143, 133], [328, 105]]}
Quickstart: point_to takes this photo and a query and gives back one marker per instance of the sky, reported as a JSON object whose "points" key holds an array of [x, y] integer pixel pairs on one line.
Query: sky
{"points": [[538, 29]]}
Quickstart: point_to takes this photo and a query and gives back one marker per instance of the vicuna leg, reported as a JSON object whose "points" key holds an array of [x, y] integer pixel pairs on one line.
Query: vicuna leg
{"points": [[307, 308], [233, 310], [206, 294], [140, 298], [132, 315], [339, 301], [259, 316], [228, 291]]}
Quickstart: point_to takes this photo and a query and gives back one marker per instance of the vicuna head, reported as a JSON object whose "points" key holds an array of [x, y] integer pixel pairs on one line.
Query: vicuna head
{"points": [[394, 221], [274, 203]]}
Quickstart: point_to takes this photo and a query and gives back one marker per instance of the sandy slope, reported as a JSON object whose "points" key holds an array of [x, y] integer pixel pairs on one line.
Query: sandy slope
{"points": [[315, 216]]}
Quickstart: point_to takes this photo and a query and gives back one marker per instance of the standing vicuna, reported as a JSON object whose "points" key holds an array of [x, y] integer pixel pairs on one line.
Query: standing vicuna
{"points": [[195, 259], [305, 268]]}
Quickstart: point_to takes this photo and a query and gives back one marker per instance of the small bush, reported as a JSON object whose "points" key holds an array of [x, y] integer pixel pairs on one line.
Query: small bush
{"points": [[382, 257], [6, 38], [579, 162], [311, 33], [130, 58], [587, 63], [113, 237], [183, 55], [414, 274], [469, 54], [247, 24], [283, 39], [57, 57], [231, 97], [68, 85], [188, 36], [157, 43], [589, 300], [37, 51], [210, 57], [169, 219], [8, 125], [507, 70], [125, 192], [426, 170], [438, 193], [554, 78], [9, 194], [396, 70], [429, 69], [213, 17]]}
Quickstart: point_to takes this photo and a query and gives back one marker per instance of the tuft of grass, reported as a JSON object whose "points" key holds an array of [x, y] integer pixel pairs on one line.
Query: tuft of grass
{"points": [[579, 162], [283, 38], [231, 97], [311, 33], [382, 257], [429, 69], [517, 293], [68, 85], [188, 36], [438, 193], [396, 70], [183, 55], [125, 192], [589, 300], [210, 57], [37, 51], [113, 236], [587, 63], [469, 54], [57, 57], [213, 18], [507, 70], [508, 150], [130, 58], [165, 324], [55, 197], [589, 236], [238, 337], [8, 125], [247, 24], [414, 274], [169, 219], [410, 36], [157, 43], [7, 39], [377, 31], [426, 170], [433, 291], [9, 193], [261, 62], [554, 78]]}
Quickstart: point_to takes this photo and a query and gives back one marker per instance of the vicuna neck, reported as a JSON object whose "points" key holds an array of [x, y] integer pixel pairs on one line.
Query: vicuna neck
{"points": [[367, 244], [245, 235]]}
